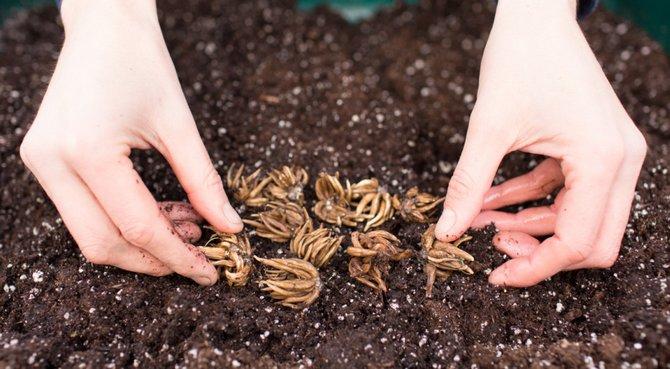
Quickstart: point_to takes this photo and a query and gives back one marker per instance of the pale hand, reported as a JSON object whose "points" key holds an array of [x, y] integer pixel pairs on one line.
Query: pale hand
{"points": [[115, 89], [542, 91]]}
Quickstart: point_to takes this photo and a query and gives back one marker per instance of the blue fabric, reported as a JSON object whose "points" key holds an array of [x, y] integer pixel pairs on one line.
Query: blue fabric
{"points": [[586, 7], [58, 2]]}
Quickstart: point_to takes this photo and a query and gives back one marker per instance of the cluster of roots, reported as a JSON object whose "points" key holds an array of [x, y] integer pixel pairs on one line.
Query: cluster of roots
{"points": [[363, 202], [443, 258], [255, 189], [370, 256], [295, 282], [232, 253]]}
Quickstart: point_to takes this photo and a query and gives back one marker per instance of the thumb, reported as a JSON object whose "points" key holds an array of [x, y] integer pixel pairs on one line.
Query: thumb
{"points": [[184, 150], [473, 176]]}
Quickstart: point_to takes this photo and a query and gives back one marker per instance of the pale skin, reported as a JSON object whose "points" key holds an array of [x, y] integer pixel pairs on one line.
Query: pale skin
{"points": [[541, 91]]}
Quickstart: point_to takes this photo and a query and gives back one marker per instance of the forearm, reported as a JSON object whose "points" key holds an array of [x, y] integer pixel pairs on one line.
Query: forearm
{"points": [[536, 10], [118, 14], [581, 8]]}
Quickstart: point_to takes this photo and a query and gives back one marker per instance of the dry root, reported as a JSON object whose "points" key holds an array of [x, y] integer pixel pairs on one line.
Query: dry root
{"points": [[333, 204], [287, 184], [315, 246], [370, 255], [293, 282], [233, 253], [247, 189], [417, 206], [443, 258], [280, 221], [371, 202]]}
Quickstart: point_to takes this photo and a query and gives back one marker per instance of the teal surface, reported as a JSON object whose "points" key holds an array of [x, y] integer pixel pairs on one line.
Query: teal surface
{"points": [[7, 6], [352, 10], [652, 15]]}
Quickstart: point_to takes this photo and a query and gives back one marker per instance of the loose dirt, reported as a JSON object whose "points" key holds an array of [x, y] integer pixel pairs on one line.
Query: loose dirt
{"points": [[389, 98]]}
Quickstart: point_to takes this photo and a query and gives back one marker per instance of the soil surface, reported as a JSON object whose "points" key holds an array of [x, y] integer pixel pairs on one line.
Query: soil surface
{"points": [[388, 98]]}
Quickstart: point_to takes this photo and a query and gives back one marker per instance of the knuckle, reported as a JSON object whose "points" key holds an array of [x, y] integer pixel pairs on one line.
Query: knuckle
{"points": [[140, 234], [577, 253], [213, 179], [607, 262], [637, 146], [610, 151], [33, 150], [460, 185], [95, 253]]}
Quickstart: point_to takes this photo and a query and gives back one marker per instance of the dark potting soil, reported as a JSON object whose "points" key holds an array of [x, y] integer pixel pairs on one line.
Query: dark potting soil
{"points": [[388, 98]]}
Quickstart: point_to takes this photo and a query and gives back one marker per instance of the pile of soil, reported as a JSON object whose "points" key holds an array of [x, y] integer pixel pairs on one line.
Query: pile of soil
{"points": [[389, 98]]}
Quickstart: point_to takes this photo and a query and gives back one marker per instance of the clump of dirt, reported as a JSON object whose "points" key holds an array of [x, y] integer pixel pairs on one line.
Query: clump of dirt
{"points": [[389, 98]]}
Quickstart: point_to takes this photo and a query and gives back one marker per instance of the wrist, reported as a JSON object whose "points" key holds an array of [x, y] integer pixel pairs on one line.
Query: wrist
{"points": [[540, 10], [80, 14]]}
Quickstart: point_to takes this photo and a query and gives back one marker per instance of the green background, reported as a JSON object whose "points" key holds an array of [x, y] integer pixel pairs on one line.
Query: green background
{"points": [[652, 15]]}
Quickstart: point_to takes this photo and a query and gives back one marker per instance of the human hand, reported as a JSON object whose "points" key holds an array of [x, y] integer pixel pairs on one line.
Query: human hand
{"points": [[542, 91], [114, 89]]}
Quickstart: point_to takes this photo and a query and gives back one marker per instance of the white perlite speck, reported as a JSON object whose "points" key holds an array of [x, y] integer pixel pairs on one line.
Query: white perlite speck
{"points": [[38, 276], [559, 307]]}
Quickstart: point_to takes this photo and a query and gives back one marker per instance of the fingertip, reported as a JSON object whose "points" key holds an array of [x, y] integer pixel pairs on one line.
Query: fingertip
{"points": [[209, 275], [498, 277], [224, 218], [445, 230], [188, 231], [233, 220], [179, 211]]}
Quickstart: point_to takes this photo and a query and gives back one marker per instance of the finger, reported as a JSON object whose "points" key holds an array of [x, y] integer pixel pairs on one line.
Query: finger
{"points": [[178, 211], [580, 216], [186, 153], [618, 206], [187, 231], [95, 234], [472, 177], [111, 177], [537, 221], [515, 244], [534, 185]]}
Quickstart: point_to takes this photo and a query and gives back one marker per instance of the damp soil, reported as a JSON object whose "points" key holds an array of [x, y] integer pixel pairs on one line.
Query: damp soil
{"points": [[390, 98]]}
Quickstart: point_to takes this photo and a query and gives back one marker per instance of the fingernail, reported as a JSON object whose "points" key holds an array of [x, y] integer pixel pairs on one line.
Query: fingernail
{"points": [[231, 215], [205, 281], [446, 222]]}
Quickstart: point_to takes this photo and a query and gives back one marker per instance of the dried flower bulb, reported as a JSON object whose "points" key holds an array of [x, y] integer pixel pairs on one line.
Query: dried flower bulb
{"points": [[417, 206], [233, 253], [316, 246], [333, 206], [370, 255], [295, 283], [287, 184], [247, 189], [443, 258], [279, 221]]}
